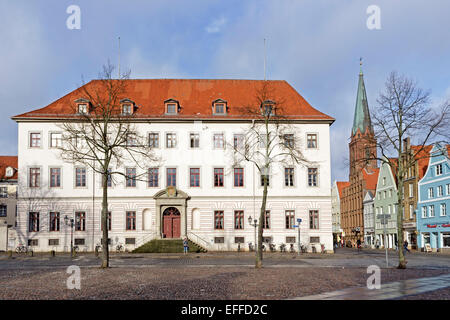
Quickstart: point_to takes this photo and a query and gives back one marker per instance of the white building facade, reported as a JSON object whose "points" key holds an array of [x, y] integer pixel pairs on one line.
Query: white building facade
{"points": [[195, 191]]}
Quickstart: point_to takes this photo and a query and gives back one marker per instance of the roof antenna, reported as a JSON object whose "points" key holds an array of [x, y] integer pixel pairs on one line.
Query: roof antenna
{"points": [[264, 59], [119, 57]]}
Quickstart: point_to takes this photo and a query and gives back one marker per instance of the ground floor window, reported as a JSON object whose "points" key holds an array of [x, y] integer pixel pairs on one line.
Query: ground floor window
{"points": [[426, 238], [446, 240]]}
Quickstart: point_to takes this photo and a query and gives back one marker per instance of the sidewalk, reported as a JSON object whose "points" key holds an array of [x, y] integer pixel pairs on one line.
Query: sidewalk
{"points": [[387, 291]]}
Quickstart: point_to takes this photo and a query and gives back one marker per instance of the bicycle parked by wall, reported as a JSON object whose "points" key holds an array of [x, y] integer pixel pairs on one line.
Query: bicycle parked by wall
{"points": [[120, 248], [282, 247], [21, 249]]}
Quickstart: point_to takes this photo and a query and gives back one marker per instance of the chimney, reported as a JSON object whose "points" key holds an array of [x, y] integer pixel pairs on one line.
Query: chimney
{"points": [[406, 144]]}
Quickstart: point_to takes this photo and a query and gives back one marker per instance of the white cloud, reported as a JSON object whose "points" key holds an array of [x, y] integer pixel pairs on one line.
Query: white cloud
{"points": [[216, 25]]}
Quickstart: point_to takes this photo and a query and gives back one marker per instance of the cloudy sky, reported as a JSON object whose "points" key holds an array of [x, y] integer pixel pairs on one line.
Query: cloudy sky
{"points": [[315, 45]]}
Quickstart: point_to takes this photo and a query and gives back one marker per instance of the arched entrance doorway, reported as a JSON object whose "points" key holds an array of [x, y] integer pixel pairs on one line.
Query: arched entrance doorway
{"points": [[171, 223]]}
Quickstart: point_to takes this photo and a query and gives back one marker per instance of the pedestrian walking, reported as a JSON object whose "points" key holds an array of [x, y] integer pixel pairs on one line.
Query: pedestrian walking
{"points": [[358, 244], [185, 245], [405, 247]]}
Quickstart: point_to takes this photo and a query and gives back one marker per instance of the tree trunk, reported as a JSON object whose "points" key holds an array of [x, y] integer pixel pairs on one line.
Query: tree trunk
{"points": [[401, 256], [259, 255], [105, 247]]}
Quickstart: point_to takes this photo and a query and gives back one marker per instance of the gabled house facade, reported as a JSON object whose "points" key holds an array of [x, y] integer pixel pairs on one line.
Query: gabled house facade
{"points": [[369, 219], [385, 202], [8, 201], [196, 191], [433, 217]]}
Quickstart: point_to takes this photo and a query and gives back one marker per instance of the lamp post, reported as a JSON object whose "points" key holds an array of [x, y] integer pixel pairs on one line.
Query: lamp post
{"points": [[254, 224], [70, 222], [299, 244]]}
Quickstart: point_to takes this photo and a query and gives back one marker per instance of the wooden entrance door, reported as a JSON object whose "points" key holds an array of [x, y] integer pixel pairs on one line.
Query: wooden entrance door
{"points": [[171, 223]]}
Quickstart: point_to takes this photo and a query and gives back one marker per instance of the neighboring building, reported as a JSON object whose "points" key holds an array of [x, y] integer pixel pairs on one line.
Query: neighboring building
{"points": [[195, 192], [369, 219], [363, 173], [385, 202], [433, 208], [8, 190], [414, 171], [336, 195]]}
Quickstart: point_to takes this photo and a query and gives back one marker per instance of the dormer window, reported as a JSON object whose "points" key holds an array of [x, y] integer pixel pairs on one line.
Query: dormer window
{"points": [[268, 108], [219, 107], [127, 106], [82, 106], [82, 109], [172, 106], [9, 172]]}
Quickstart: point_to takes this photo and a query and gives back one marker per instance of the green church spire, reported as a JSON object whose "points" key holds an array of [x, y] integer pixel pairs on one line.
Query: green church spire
{"points": [[361, 119]]}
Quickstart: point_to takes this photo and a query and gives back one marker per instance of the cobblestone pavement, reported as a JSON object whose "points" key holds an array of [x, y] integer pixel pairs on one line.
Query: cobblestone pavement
{"points": [[199, 283], [393, 290]]}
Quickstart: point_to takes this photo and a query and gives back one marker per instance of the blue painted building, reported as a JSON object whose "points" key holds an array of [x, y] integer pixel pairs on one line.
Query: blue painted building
{"points": [[433, 207]]}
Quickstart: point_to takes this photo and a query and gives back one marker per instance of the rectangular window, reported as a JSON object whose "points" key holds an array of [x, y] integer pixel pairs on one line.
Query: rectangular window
{"points": [[82, 109], [33, 242], [80, 221], [131, 220], [3, 192], [311, 140], [54, 221], [411, 190], [218, 220], [218, 141], [33, 225], [55, 140], [443, 209], [53, 242], [239, 240], [424, 212], [171, 108], [194, 140], [440, 191], [171, 140], [431, 212], [3, 210], [238, 177], [312, 177], [289, 177], [126, 109], [239, 219], [390, 193], [266, 222], [153, 177], [79, 241], [290, 239], [131, 177], [411, 211], [219, 239], [55, 177], [439, 169], [446, 240], [153, 140], [130, 240], [218, 177], [80, 177], [238, 141], [35, 140], [171, 177], [131, 140], [219, 108], [430, 193], [314, 219], [289, 141], [35, 177], [290, 219], [194, 177], [448, 189], [267, 178]]}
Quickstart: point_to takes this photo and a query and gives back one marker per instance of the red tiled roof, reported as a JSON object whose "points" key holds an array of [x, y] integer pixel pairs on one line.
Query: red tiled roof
{"points": [[195, 97], [422, 158], [341, 185], [8, 161], [371, 177]]}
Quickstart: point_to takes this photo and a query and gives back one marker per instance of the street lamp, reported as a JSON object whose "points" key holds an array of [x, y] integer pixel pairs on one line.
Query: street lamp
{"points": [[70, 222], [254, 224]]}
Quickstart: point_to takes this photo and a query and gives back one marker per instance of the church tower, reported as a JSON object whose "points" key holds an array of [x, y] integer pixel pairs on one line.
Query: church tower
{"points": [[363, 144]]}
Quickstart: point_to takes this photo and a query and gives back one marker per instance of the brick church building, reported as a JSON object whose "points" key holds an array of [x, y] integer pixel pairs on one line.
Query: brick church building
{"points": [[363, 173]]}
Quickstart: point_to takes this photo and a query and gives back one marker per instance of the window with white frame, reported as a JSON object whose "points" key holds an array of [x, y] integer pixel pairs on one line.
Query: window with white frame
{"points": [[411, 190], [171, 108], [448, 189], [424, 212], [194, 140], [80, 177], [289, 141], [446, 240], [218, 141], [3, 192], [55, 140], [219, 108], [34, 177], [431, 211], [390, 193], [171, 140], [443, 209], [288, 177], [430, 192], [312, 177], [439, 169], [127, 109], [238, 141], [311, 140], [262, 141], [153, 140], [440, 191], [82, 108], [3, 210], [411, 211]]}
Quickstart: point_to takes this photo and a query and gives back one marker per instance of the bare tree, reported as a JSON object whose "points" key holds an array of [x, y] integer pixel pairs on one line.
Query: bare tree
{"points": [[268, 142], [103, 136], [405, 110]]}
